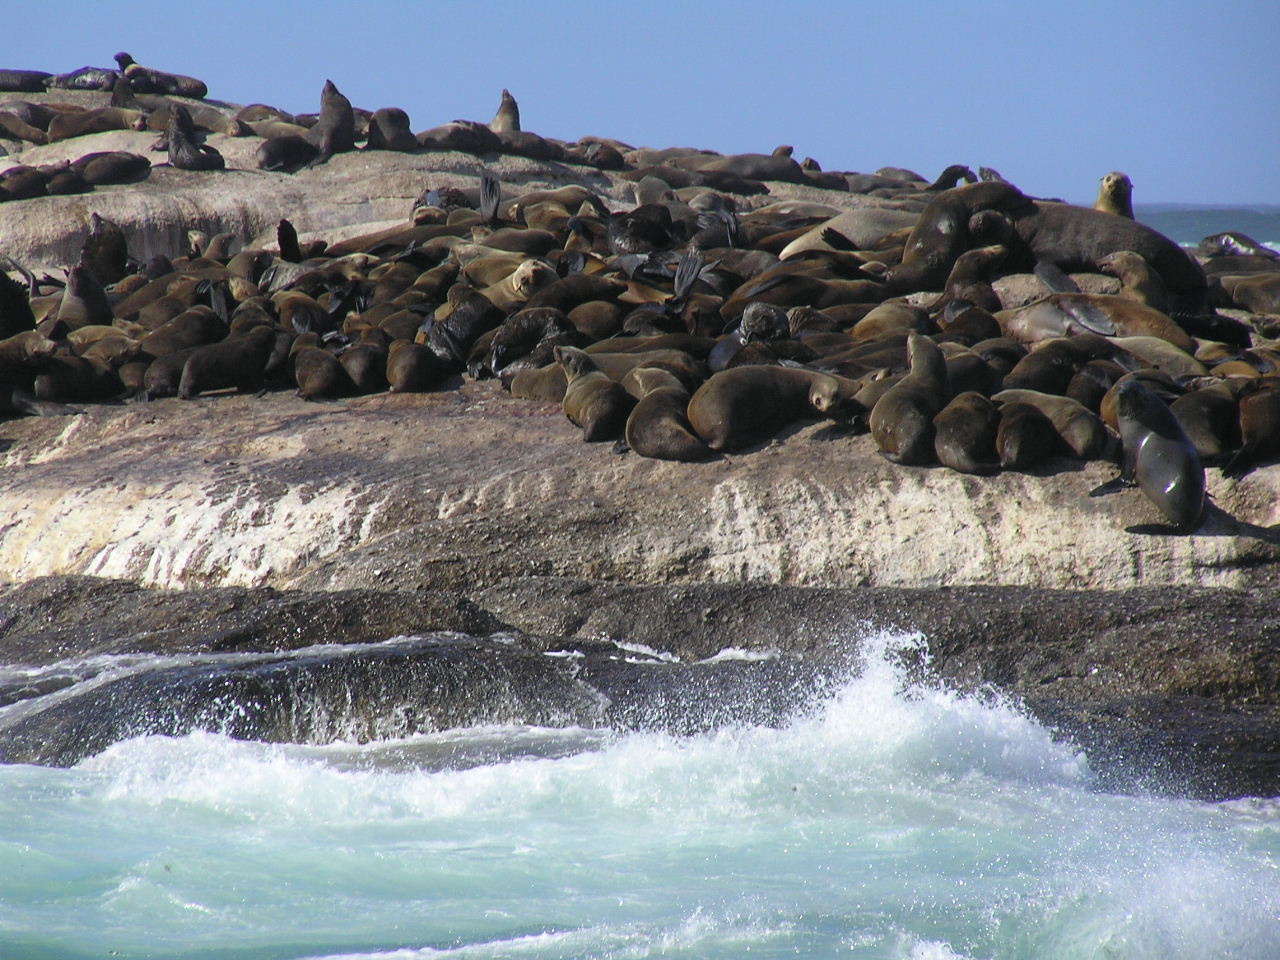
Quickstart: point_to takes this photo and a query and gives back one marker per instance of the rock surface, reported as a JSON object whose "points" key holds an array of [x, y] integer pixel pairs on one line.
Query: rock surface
{"points": [[403, 513]]}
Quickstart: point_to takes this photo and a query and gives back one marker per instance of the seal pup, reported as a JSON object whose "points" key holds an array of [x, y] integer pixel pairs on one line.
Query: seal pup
{"points": [[320, 375], [1115, 195], [413, 367], [592, 401], [1157, 456], [902, 419], [1138, 282]]}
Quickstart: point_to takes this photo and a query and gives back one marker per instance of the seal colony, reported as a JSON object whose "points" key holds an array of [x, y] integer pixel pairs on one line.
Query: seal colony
{"points": [[701, 319]]}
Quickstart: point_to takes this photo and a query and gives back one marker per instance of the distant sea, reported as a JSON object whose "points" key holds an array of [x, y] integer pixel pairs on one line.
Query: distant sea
{"points": [[1189, 223]]}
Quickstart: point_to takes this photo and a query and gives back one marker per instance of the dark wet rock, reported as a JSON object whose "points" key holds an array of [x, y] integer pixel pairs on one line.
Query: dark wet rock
{"points": [[57, 618], [1174, 691]]}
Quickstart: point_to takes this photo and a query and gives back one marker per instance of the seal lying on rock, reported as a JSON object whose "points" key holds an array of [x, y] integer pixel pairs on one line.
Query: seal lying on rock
{"points": [[592, 401], [146, 80]]}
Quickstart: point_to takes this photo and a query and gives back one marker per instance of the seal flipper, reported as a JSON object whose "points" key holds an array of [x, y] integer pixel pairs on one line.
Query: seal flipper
{"points": [[1088, 316], [836, 240], [287, 239], [1114, 485], [687, 272], [490, 197], [1051, 275], [1240, 463], [23, 402]]}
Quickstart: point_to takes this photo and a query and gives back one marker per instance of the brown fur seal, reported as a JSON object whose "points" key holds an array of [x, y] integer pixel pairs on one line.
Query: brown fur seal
{"points": [[195, 327], [84, 301], [1080, 429], [389, 130], [1065, 314], [1259, 427], [285, 154], [320, 376], [659, 426], [941, 233], [17, 128], [507, 119], [335, 131], [1138, 281], [67, 125], [146, 80], [1210, 417], [902, 419], [237, 362], [1158, 456], [24, 350], [747, 405], [965, 434], [1115, 195], [1025, 437], [114, 166], [185, 152], [413, 368], [592, 401], [105, 251], [366, 364], [63, 378]]}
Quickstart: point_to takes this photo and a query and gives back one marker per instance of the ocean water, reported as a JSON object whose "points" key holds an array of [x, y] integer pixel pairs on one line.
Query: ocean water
{"points": [[886, 818], [1189, 223]]}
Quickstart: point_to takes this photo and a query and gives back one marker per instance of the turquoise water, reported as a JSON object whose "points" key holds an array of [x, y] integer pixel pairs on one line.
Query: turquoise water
{"points": [[885, 820]]}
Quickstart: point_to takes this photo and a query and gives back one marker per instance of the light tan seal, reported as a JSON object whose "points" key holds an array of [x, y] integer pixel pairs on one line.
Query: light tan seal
{"points": [[592, 401]]}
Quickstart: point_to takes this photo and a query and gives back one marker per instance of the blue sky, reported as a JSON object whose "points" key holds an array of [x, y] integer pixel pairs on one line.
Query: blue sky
{"points": [[1184, 97]]}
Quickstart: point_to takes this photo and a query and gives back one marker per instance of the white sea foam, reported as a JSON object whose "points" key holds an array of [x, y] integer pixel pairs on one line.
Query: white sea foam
{"points": [[890, 818], [645, 651], [737, 654]]}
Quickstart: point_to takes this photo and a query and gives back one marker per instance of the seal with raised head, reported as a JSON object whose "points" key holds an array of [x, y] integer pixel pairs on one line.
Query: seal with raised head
{"points": [[592, 401], [185, 151], [1115, 195], [507, 119], [335, 131], [902, 419], [1157, 456]]}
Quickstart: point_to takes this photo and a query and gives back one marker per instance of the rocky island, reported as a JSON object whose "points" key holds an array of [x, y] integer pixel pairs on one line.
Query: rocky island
{"points": [[245, 517]]}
